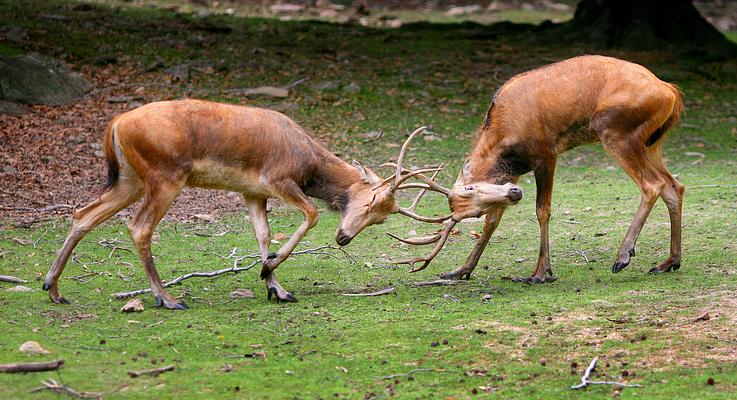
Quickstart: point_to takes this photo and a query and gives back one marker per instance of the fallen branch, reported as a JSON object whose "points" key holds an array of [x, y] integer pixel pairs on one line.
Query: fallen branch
{"points": [[151, 372], [711, 186], [585, 378], [54, 386], [390, 289], [11, 279], [234, 269], [439, 282], [42, 209], [31, 367], [296, 83], [414, 371]]}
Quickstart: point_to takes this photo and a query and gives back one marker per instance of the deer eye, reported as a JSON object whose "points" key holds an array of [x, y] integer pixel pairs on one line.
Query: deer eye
{"points": [[469, 188]]}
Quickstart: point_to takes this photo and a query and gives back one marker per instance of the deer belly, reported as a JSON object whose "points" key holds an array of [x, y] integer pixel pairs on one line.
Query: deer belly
{"points": [[216, 175]]}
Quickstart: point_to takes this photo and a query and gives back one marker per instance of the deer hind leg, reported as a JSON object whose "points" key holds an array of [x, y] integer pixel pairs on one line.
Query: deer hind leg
{"points": [[156, 201], [631, 156], [257, 211], [672, 196], [290, 193], [544, 175], [464, 271], [121, 195]]}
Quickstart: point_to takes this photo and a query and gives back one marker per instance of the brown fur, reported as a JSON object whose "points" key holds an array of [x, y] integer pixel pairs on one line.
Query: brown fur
{"points": [[156, 150], [539, 114]]}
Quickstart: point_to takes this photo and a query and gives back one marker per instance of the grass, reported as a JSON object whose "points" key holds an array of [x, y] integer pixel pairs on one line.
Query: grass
{"points": [[526, 342]]}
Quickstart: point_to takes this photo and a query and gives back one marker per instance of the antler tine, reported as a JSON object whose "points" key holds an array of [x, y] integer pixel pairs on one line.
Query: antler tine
{"points": [[418, 241], [428, 258], [422, 192], [401, 155], [411, 214], [436, 186]]}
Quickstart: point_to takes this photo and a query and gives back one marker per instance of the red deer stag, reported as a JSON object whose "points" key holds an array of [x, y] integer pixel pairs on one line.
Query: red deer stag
{"points": [[156, 150], [539, 114]]}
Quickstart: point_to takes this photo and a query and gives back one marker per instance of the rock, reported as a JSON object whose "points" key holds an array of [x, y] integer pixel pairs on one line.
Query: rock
{"points": [[10, 108], [37, 79], [135, 305], [486, 297], [329, 13], [283, 107], [463, 10], [395, 23], [19, 288], [372, 135], [32, 347], [241, 294], [179, 73], [267, 91], [352, 88], [204, 217], [286, 8]]}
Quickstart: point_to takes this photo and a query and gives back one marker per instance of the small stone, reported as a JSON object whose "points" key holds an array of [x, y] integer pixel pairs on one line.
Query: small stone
{"points": [[10, 170], [486, 297], [434, 344], [204, 217], [179, 72], [32, 347], [135, 305]]}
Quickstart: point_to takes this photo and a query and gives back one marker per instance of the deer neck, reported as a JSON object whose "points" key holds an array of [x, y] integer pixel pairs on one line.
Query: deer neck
{"points": [[331, 181]]}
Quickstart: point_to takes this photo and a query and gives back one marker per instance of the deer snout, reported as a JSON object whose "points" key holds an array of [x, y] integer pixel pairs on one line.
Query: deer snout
{"points": [[342, 238], [515, 194]]}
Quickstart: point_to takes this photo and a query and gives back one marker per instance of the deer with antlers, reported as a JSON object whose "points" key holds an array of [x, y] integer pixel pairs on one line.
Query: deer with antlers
{"points": [[156, 150], [539, 114]]}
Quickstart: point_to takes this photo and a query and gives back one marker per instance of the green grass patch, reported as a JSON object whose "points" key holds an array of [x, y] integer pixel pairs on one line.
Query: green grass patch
{"points": [[525, 342]]}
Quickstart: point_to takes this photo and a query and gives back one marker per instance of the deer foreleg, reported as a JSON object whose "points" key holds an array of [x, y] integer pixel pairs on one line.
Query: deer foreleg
{"points": [[464, 271], [257, 211]]}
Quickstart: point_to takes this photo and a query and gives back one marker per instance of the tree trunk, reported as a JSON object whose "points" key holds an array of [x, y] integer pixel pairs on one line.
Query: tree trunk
{"points": [[644, 25]]}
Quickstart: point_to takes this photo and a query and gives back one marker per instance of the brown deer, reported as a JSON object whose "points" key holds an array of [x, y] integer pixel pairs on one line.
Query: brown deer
{"points": [[539, 114], [156, 150]]}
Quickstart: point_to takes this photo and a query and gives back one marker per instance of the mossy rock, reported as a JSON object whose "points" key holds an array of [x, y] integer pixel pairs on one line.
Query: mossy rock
{"points": [[37, 79]]}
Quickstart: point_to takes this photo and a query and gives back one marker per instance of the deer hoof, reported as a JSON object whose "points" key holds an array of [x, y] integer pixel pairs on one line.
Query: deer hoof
{"points": [[618, 266], [275, 293], [173, 305], [532, 280], [664, 269], [59, 300], [456, 276], [46, 286]]}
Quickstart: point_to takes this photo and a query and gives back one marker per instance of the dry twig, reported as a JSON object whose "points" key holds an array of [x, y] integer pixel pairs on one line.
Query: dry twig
{"points": [[234, 269], [31, 367], [151, 372], [390, 289], [54, 386], [439, 282], [11, 279], [585, 378], [414, 371]]}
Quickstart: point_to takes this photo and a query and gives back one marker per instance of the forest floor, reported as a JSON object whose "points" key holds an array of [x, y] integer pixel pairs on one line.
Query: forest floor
{"points": [[480, 337]]}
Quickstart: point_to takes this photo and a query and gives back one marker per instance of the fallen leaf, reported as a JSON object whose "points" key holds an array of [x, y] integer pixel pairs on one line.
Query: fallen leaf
{"points": [[135, 305], [204, 217], [32, 348], [280, 236]]}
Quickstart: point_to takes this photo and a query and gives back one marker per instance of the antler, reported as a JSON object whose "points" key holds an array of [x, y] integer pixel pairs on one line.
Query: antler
{"points": [[441, 238]]}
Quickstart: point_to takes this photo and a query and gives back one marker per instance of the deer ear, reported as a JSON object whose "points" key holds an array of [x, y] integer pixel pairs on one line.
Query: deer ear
{"points": [[367, 175], [465, 173]]}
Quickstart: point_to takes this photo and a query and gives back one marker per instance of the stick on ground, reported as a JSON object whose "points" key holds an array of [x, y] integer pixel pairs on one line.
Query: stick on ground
{"points": [[31, 367], [585, 378], [151, 372], [390, 289], [234, 269], [439, 282], [54, 386], [11, 279]]}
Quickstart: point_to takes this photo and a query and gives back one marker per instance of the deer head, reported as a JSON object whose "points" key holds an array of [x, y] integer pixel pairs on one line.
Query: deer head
{"points": [[371, 199]]}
